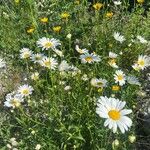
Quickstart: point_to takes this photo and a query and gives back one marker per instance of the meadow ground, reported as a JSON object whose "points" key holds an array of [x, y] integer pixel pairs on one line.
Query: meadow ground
{"points": [[72, 75]]}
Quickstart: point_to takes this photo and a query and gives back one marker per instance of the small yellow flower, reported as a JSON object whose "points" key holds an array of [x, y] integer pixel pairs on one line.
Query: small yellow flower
{"points": [[77, 2], [17, 1], [115, 88], [65, 15], [44, 20], [97, 6], [140, 1], [109, 14], [57, 28], [30, 30]]}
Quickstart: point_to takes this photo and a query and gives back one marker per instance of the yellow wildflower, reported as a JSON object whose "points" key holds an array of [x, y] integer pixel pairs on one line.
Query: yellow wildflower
{"points": [[44, 20], [65, 15], [57, 28], [115, 88], [97, 6], [30, 30], [109, 14]]}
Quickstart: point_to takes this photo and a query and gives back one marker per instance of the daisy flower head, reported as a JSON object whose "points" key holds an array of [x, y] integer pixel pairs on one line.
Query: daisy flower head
{"points": [[119, 77], [25, 90], [136, 67], [112, 63], [112, 55], [46, 43], [112, 110], [58, 52], [2, 63], [81, 51], [143, 61], [98, 82], [49, 63], [117, 2], [118, 37], [64, 66], [25, 53], [90, 58], [13, 100], [142, 39], [36, 58], [133, 80]]}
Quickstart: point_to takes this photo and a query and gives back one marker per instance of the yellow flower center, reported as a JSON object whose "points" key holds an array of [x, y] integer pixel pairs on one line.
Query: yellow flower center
{"points": [[15, 103], [47, 63], [48, 44], [26, 55], [89, 59], [25, 91], [120, 77], [141, 62], [38, 58], [114, 114], [112, 61], [100, 84]]}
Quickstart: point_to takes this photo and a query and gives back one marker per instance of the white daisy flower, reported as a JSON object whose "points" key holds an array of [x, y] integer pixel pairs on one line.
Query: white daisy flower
{"points": [[47, 43], [2, 63], [112, 110], [112, 55], [112, 63], [36, 58], [25, 53], [35, 76], [133, 80], [142, 40], [64, 66], [90, 58], [143, 61], [25, 90], [49, 63], [81, 51], [58, 52], [13, 100], [119, 37], [119, 77], [117, 2], [98, 82]]}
